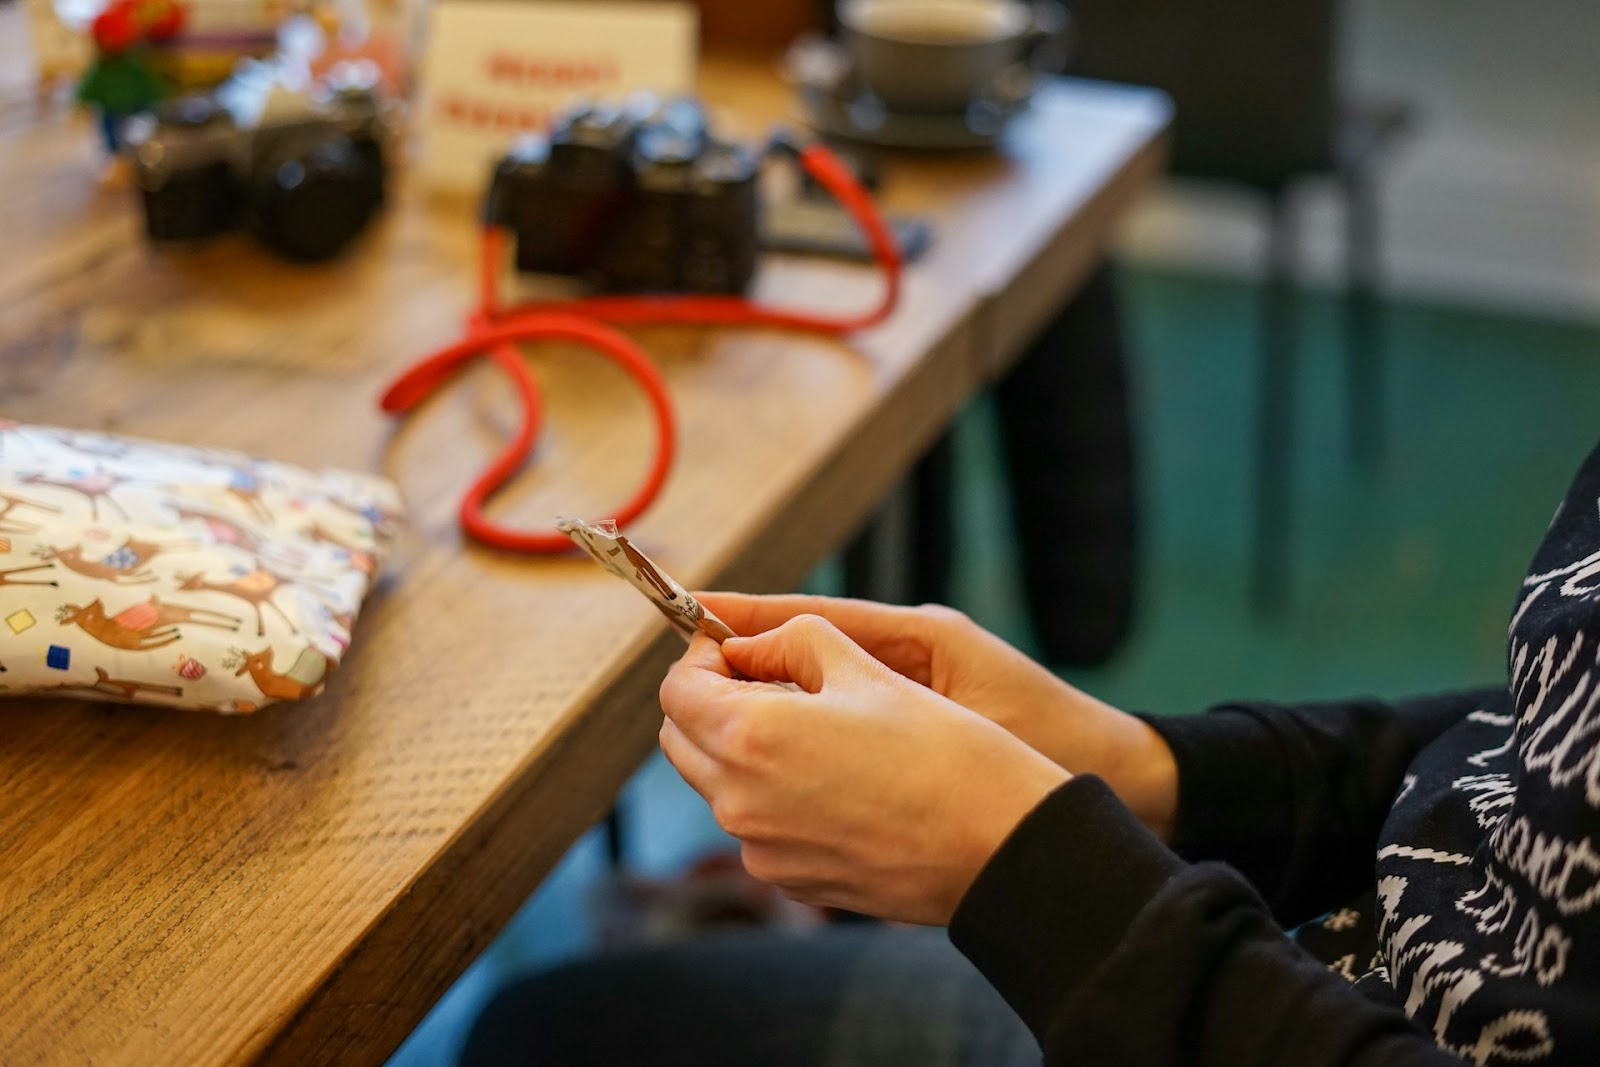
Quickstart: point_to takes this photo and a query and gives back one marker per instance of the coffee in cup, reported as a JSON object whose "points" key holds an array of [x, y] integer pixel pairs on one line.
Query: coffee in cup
{"points": [[932, 55]]}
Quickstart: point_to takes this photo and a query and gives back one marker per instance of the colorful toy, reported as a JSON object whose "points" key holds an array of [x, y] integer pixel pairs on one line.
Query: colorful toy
{"points": [[122, 81]]}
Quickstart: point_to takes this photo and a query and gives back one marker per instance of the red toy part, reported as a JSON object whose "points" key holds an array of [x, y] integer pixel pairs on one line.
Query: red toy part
{"points": [[125, 23], [115, 29]]}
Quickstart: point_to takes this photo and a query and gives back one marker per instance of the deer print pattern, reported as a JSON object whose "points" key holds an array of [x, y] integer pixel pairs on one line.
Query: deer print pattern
{"points": [[150, 624], [222, 530], [94, 486], [255, 589], [18, 524], [123, 565], [6, 579], [301, 680]]}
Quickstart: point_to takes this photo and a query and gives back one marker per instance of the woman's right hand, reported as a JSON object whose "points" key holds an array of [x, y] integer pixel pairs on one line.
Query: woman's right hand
{"points": [[942, 649]]}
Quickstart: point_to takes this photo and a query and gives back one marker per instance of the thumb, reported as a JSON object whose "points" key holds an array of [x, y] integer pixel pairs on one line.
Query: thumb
{"points": [[806, 650], [704, 654]]}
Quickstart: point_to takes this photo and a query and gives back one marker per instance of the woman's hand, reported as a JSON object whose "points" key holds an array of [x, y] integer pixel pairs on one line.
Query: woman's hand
{"points": [[863, 790], [950, 654]]}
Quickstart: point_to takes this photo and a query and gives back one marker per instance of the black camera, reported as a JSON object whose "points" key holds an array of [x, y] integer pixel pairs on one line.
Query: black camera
{"points": [[306, 173], [637, 198]]}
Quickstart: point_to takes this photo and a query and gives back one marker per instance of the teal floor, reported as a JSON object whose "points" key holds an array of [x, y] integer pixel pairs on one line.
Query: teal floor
{"points": [[1402, 582]]}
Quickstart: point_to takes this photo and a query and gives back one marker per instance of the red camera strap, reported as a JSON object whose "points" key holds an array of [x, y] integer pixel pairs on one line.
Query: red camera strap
{"points": [[495, 331]]}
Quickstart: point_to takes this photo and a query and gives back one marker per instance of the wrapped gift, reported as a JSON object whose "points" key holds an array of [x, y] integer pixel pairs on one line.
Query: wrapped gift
{"points": [[158, 573]]}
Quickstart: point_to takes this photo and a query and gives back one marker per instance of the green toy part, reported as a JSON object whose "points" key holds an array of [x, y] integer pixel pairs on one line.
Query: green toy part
{"points": [[121, 84]]}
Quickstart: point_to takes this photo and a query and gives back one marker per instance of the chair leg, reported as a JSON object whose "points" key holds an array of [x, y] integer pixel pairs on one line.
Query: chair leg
{"points": [[616, 838], [879, 564], [1363, 343], [1275, 417], [933, 523], [1066, 426]]}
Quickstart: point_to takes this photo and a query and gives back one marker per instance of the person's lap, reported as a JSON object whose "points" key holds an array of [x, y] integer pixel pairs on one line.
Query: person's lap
{"points": [[839, 997]]}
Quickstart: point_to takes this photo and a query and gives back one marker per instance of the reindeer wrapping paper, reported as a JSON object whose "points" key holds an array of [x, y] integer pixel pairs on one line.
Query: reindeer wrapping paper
{"points": [[164, 574]]}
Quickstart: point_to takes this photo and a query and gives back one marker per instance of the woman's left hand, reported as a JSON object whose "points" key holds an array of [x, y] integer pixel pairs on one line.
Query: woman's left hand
{"points": [[862, 790]]}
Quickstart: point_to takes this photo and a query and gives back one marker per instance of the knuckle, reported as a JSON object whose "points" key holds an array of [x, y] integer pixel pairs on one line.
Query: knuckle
{"points": [[745, 740], [758, 863], [811, 625], [733, 815], [944, 616], [668, 692]]}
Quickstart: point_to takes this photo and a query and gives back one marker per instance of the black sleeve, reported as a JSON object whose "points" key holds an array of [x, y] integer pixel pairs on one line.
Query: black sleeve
{"points": [[1115, 951], [1293, 797]]}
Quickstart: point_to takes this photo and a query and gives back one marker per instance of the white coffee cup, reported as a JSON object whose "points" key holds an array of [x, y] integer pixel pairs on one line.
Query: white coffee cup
{"points": [[932, 55]]}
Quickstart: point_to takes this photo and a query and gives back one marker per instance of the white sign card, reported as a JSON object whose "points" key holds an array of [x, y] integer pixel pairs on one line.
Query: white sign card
{"points": [[495, 69]]}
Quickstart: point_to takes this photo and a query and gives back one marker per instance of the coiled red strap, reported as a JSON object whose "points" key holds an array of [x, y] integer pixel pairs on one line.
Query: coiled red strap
{"points": [[494, 330], [498, 340]]}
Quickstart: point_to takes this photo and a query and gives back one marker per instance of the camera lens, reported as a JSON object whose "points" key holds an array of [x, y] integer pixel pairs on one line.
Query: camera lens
{"points": [[312, 199]]}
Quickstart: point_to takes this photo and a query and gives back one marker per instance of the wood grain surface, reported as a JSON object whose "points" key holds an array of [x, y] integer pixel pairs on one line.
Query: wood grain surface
{"points": [[299, 886]]}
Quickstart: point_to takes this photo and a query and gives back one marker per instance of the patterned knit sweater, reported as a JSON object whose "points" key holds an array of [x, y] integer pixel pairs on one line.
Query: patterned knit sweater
{"points": [[1475, 935]]}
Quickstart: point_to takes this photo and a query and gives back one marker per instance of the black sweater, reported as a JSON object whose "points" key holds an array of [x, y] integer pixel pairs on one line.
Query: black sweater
{"points": [[1477, 935]]}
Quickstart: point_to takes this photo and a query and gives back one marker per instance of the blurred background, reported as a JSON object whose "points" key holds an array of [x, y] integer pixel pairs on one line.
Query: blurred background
{"points": [[1398, 568]]}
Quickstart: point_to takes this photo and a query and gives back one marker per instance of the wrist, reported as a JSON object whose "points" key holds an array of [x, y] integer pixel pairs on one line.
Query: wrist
{"points": [[1004, 798], [1145, 777], [1088, 736]]}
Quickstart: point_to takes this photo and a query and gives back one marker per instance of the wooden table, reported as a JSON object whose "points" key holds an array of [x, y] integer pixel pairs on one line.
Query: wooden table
{"points": [[299, 886]]}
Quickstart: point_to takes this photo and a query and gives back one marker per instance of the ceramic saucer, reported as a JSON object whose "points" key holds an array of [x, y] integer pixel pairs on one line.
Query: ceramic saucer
{"points": [[837, 105]]}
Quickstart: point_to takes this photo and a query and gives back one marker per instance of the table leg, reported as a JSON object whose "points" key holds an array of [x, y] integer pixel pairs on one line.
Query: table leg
{"points": [[1275, 418]]}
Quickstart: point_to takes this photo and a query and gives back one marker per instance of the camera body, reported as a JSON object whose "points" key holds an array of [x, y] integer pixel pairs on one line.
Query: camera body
{"points": [[638, 198], [305, 173]]}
